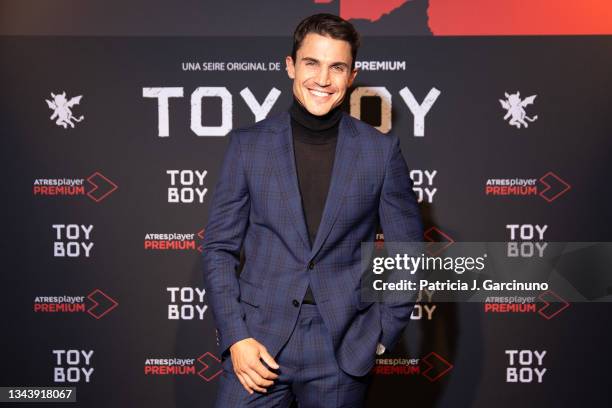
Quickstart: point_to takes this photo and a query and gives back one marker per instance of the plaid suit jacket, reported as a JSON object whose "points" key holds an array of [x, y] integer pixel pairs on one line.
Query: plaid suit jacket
{"points": [[257, 203]]}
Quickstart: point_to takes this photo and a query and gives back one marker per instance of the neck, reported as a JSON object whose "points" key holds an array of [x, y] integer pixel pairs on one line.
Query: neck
{"points": [[313, 122]]}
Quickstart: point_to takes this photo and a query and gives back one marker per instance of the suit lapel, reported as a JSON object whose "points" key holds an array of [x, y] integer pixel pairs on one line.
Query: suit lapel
{"points": [[282, 157], [344, 161]]}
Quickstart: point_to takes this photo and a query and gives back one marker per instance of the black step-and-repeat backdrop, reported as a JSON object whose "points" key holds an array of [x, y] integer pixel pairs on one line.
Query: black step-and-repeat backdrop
{"points": [[111, 147]]}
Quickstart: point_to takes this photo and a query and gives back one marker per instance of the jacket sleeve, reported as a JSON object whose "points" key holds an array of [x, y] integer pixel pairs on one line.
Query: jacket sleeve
{"points": [[401, 223], [223, 236]]}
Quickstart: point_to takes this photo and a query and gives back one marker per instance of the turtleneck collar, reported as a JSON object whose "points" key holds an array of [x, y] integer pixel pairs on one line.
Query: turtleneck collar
{"points": [[313, 122]]}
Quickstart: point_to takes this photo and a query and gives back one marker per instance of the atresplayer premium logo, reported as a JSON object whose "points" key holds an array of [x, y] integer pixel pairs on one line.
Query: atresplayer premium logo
{"points": [[552, 304], [97, 304], [437, 240], [550, 186], [433, 366], [62, 112], [174, 241], [208, 366], [98, 186]]}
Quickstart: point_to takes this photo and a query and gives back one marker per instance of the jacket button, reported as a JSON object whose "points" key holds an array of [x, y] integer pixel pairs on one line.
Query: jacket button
{"points": [[295, 303], [311, 265]]}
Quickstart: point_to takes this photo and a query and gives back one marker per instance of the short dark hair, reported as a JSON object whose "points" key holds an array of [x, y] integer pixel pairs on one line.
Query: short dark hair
{"points": [[329, 25]]}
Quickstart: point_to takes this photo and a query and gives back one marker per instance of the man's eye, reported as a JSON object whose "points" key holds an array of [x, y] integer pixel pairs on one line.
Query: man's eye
{"points": [[338, 68], [309, 63]]}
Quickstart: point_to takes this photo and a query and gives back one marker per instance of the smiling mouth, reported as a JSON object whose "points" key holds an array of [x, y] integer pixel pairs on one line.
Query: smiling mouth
{"points": [[319, 93]]}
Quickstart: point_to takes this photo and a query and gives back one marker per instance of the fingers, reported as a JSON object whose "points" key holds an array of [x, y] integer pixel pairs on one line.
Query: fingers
{"points": [[263, 373], [254, 376], [265, 356], [251, 384], [255, 381], [261, 369], [250, 370], [251, 381], [243, 382]]}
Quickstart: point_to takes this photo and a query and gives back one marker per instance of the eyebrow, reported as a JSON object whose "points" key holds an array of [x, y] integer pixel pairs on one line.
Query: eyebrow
{"points": [[340, 63]]}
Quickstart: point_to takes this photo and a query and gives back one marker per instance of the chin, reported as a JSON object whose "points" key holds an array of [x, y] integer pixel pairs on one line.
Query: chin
{"points": [[319, 109]]}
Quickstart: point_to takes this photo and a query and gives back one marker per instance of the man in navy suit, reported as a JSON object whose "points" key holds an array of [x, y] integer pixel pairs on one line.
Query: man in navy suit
{"points": [[300, 191]]}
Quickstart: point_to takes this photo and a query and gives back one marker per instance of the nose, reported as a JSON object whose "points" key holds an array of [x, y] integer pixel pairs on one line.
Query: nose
{"points": [[322, 78]]}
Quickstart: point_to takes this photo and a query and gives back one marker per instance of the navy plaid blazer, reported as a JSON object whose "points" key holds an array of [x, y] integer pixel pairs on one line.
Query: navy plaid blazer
{"points": [[257, 203]]}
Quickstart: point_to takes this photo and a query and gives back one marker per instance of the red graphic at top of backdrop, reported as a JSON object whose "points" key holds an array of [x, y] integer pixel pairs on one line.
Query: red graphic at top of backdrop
{"points": [[519, 17], [365, 9], [499, 17]]}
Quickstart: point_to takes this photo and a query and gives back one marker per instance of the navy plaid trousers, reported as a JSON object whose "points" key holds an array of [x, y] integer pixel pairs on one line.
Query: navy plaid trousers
{"points": [[308, 373]]}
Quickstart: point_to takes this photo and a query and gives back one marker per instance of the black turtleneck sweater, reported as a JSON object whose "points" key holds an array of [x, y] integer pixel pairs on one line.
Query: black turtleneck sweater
{"points": [[314, 143]]}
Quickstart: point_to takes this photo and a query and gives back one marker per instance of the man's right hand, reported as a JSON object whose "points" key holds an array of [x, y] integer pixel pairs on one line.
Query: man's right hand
{"points": [[253, 375]]}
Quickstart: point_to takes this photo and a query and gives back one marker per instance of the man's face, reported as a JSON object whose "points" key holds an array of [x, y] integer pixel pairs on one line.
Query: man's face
{"points": [[321, 73]]}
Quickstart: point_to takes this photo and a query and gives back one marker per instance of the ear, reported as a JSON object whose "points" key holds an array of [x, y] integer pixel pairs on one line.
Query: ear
{"points": [[290, 67], [352, 76]]}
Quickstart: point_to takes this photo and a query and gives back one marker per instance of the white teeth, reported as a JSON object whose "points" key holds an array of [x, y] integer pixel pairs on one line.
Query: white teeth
{"points": [[318, 93]]}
